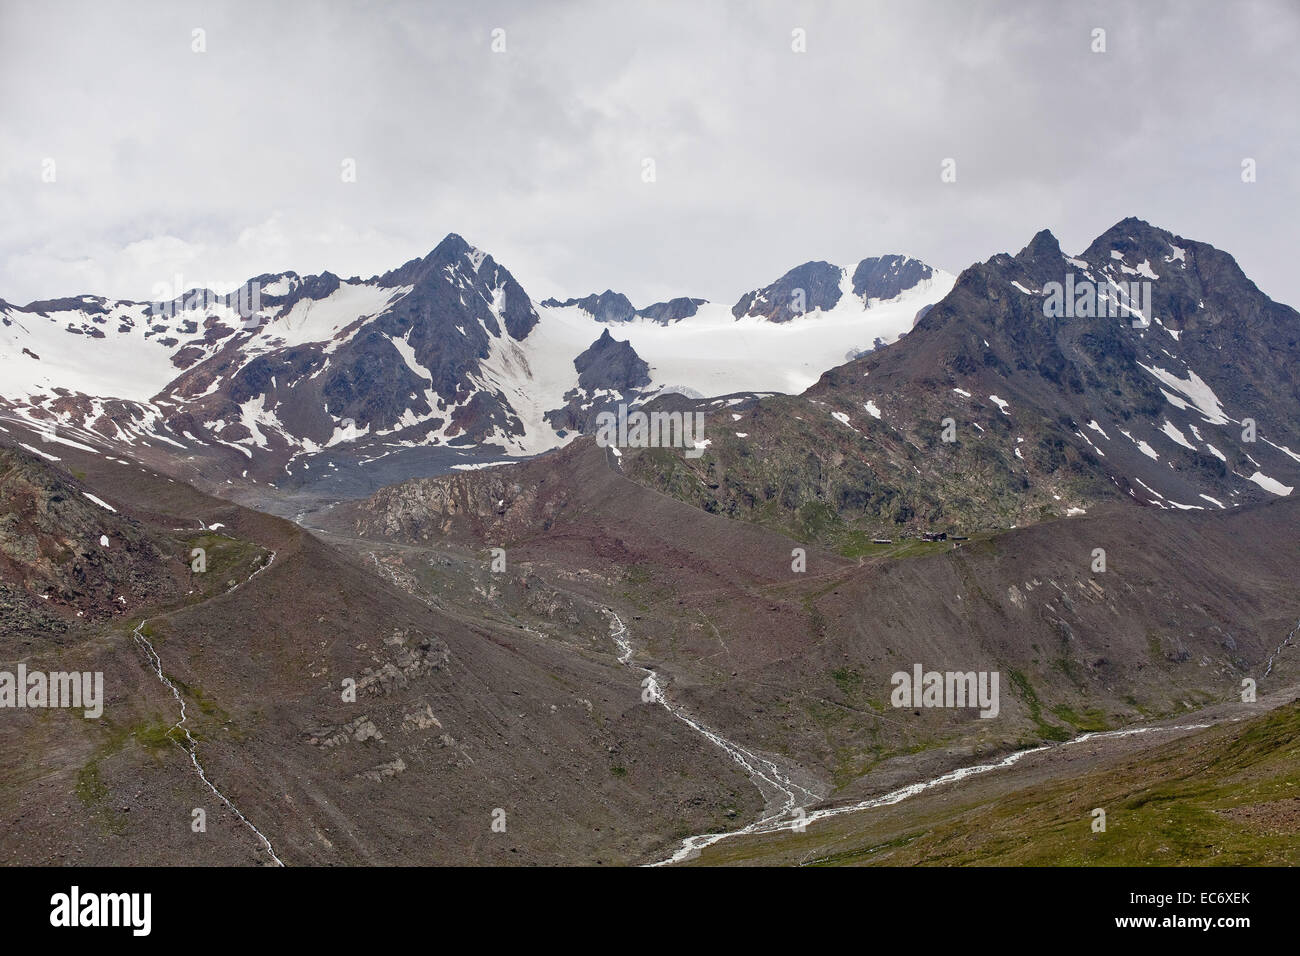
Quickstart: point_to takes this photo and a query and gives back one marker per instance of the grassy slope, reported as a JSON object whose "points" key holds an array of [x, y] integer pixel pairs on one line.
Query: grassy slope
{"points": [[1228, 796]]}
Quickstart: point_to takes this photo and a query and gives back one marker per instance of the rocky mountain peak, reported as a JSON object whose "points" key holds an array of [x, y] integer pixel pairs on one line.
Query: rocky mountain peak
{"points": [[611, 364], [608, 306], [810, 287], [885, 277], [1044, 246]]}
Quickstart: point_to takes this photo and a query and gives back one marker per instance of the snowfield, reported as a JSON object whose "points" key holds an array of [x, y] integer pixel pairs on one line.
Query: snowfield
{"points": [[713, 353]]}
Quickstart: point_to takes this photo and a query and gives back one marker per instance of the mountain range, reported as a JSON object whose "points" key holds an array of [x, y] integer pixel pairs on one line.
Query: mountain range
{"points": [[995, 413], [1076, 472], [443, 360]]}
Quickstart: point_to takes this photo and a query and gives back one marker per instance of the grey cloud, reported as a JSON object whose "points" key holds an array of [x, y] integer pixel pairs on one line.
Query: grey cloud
{"points": [[226, 164]]}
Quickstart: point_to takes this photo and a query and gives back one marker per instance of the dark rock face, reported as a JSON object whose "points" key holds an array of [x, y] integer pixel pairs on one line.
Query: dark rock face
{"points": [[92, 305], [255, 378], [374, 385], [674, 310], [611, 307], [813, 285], [608, 306], [881, 278], [1240, 341], [313, 287], [885, 277], [606, 366], [481, 415], [455, 282], [612, 365]]}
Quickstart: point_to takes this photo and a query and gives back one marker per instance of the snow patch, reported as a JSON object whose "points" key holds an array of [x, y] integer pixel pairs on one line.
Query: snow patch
{"points": [[1171, 430], [1271, 484], [1194, 390]]}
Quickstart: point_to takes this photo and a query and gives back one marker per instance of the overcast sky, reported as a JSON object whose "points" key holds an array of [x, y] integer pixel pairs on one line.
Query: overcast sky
{"points": [[225, 164]]}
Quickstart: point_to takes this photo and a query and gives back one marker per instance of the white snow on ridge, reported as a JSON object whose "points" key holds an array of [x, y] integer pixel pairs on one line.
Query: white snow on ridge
{"points": [[99, 501], [475, 466], [319, 320], [1171, 430], [54, 436], [1090, 444], [1200, 395], [1144, 269], [280, 287], [121, 364], [1148, 451], [126, 352], [843, 419], [1142, 446], [1282, 448], [37, 451], [1271, 484], [1148, 487], [408, 355], [535, 375]]}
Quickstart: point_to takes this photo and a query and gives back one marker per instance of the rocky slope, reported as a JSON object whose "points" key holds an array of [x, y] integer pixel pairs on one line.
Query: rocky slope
{"points": [[795, 659], [479, 698], [69, 559]]}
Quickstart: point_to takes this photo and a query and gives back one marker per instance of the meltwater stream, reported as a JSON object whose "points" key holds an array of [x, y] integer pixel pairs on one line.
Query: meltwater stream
{"points": [[781, 795], [156, 663], [792, 800]]}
